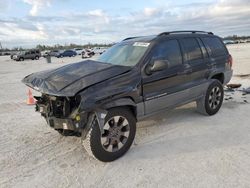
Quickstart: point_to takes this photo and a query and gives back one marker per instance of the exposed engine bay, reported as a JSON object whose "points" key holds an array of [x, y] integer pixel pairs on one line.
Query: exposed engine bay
{"points": [[61, 113]]}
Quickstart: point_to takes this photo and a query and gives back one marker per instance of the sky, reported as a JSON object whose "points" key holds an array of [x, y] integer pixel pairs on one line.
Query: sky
{"points": [[27, 23]]}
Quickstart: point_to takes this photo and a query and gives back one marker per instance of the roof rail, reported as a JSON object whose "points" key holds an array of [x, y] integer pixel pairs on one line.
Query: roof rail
{"points": [[129, 38], [173, 32]]}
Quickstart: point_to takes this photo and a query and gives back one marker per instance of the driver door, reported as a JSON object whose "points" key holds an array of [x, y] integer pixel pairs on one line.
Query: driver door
{"points": [[165, 88]]}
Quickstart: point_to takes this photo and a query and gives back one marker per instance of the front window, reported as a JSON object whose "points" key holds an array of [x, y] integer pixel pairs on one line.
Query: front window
{"points": [[125, 54]]}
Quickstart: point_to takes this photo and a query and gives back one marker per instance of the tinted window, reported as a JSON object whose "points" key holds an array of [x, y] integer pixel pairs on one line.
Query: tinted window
{"points": [[191, 49], [214, 46], [168, 50]]}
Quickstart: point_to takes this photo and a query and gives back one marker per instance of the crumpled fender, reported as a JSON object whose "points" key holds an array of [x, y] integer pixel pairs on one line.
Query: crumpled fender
{"points": [[119, 102], [119, 91], [99, 115]]}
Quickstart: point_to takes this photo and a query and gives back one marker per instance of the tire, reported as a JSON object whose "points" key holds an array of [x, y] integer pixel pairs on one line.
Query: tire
{"points": [[21, 59], [211, 103], [106, 147], [37, 58]]}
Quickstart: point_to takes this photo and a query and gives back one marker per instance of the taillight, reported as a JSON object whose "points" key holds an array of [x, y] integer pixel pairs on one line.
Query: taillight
{"points": [[230, 61]]}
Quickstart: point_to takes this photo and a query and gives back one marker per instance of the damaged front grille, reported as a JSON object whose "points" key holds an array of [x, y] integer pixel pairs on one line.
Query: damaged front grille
{"points": [[58, 107]]}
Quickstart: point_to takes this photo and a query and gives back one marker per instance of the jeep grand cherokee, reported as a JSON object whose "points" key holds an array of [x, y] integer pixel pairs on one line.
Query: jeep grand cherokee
{"points": [[102, 99]]}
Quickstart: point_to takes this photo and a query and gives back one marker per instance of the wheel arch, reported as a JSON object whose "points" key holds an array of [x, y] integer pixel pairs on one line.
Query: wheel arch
{"points": [[218, 76], [126, 102]]}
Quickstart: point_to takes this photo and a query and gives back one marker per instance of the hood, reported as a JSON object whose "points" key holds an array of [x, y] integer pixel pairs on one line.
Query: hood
{"points": [[70, 79]]}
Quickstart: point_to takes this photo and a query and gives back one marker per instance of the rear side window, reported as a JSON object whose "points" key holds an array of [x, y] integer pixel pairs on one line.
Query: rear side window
{"points": [[168, 50], [214, 46], [191, 49]]}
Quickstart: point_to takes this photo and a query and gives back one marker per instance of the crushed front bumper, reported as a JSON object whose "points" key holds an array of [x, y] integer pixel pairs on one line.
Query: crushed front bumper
{"points": [[60, 123], [74, 122]]}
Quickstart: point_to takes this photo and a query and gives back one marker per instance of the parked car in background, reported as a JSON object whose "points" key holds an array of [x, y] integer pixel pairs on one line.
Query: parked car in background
{"points": [[66, 53], [78, 51], [28, 54], [87, 53], [54, 52], [229, 42], [45, 53], [12, 54], [99, 50]]}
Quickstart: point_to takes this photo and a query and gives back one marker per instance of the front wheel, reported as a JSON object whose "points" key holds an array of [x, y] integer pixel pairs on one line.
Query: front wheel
{"points": [[119, 132], [211, 103]]}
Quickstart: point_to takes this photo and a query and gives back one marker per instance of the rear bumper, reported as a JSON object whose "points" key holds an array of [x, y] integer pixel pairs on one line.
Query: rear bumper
{"points": [[227, 76]]}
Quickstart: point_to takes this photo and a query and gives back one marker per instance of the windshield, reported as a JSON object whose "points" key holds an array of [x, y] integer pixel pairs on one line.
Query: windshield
{"points": [[124, 54]]}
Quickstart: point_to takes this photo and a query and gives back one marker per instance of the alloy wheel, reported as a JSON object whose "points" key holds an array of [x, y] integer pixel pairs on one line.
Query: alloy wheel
{"points": [[116, 133], [214, 98]]}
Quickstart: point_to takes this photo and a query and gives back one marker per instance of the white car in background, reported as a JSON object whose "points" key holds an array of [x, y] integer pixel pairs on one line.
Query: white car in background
{"points": [[87, 53], [78, 51], [99, 50]]}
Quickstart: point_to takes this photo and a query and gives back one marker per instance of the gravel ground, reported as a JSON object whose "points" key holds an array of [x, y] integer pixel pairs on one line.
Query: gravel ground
{"points": [[179, 148]]}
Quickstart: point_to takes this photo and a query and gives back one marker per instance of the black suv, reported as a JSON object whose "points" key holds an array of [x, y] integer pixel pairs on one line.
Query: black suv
{"points": [[29, 54], [102, 100]]}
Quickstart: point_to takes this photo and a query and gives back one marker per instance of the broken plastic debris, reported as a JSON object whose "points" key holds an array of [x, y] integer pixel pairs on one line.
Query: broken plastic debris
{"points": [[233, 86], [246, 90]]}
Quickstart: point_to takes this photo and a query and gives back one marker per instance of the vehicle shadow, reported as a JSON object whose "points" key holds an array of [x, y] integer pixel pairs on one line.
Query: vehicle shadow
{"points": [[184, 130]]}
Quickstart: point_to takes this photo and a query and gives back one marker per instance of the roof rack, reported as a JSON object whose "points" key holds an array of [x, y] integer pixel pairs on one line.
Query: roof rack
{"points": [[173, 32]]}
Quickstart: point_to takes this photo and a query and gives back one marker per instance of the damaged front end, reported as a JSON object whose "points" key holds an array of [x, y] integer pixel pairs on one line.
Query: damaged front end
{"points": [[62, 113]]}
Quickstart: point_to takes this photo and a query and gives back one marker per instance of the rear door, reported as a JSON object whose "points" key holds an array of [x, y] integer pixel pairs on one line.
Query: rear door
{"points": [[164, 88], [195, 58], [218, 54]]}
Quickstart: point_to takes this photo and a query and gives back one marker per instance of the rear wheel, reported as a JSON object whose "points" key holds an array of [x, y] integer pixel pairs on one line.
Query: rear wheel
{"points": [[211, 103], [21, 59], [37, 57], [119, 133]]}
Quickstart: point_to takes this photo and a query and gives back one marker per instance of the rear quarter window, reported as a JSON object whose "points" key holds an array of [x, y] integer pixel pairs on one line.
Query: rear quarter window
{"points": [[214, 46]]}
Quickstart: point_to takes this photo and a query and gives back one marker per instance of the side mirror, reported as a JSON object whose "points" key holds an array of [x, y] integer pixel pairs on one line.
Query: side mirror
{"points": [[156, 66]]}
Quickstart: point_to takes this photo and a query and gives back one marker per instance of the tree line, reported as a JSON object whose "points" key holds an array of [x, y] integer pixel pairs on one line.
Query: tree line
{"points": [[57, 47], [90, 45]]}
